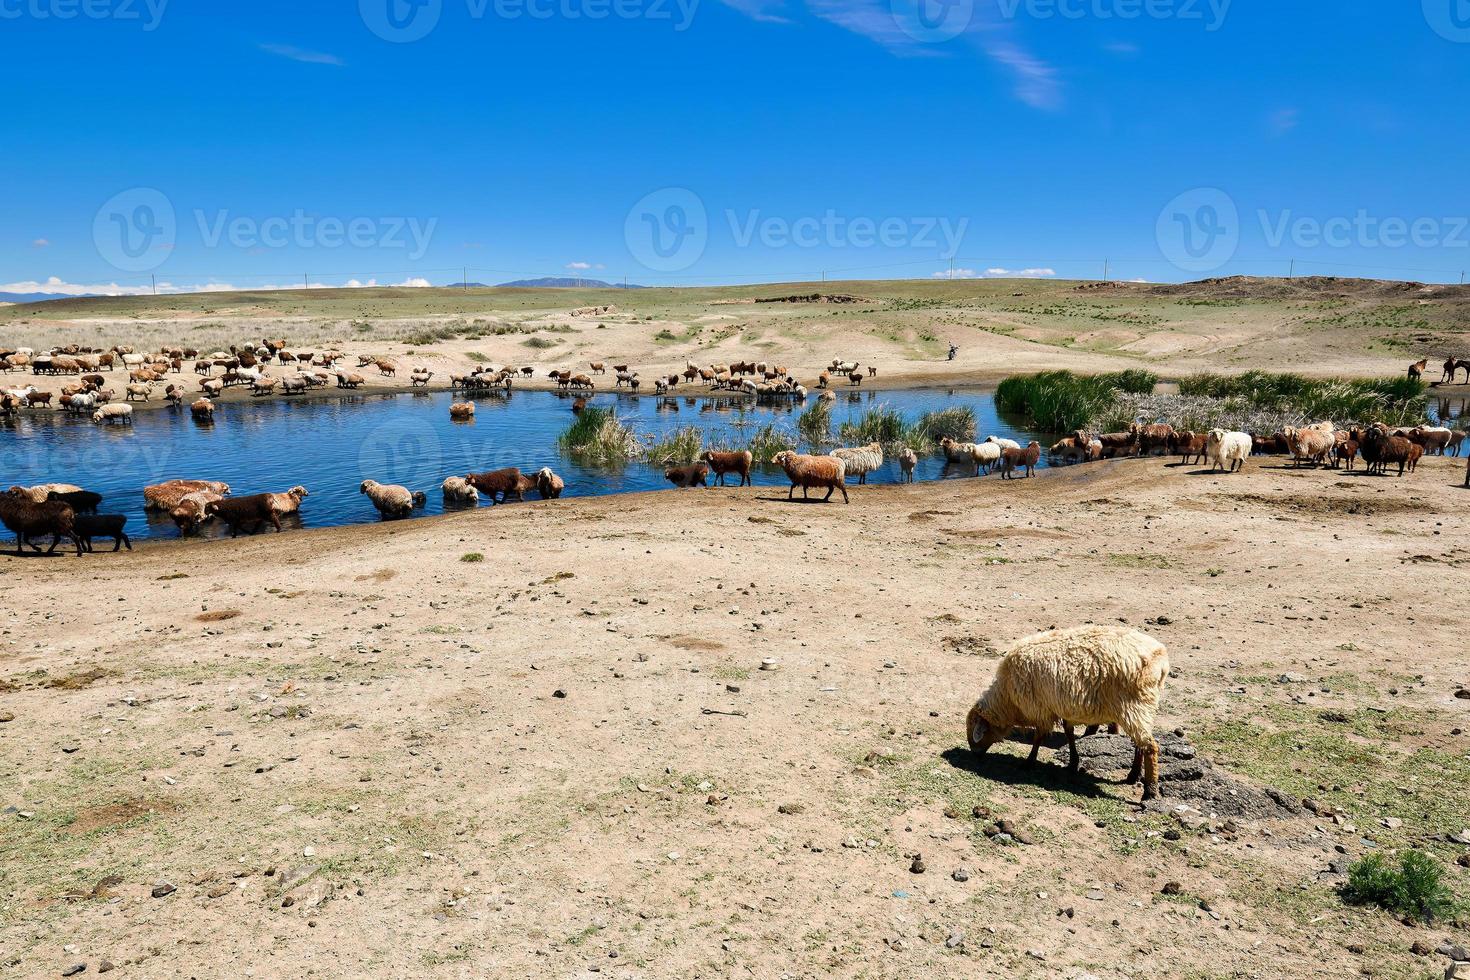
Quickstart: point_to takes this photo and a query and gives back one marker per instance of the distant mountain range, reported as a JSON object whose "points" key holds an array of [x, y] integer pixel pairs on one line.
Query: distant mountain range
{"points": [[34, 297], [566, 282]]}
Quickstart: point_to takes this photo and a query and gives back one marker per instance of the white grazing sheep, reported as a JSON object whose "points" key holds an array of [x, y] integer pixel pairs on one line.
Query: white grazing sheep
{"points": [[987, 454], [1002, 443], [907, 460], [1227, 450], [1085, 675], [860, 461], [122, 414], [391, 499], [457, 488], [1313, 442]]}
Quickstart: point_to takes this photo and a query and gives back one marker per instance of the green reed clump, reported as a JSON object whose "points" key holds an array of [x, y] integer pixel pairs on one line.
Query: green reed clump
{"points": [[814, 425], [1059, 401], [770, 440], [598, 435], [683, 445]]}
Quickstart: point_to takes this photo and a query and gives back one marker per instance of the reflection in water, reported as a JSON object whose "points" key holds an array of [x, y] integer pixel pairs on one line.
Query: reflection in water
{"points": [[332, 444]]}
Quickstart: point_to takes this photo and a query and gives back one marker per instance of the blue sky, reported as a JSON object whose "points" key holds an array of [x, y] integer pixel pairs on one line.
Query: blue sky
{"points": [[701, 141]]}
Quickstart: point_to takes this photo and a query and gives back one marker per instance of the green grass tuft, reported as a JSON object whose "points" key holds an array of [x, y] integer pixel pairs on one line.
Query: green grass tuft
{"points": [[1415, 889]]}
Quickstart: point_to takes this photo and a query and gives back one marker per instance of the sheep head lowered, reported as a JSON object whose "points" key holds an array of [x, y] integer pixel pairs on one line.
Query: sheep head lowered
{"points": [[1085, 675]]}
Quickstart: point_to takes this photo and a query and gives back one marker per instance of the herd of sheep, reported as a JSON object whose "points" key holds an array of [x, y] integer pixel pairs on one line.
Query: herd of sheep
{"points": [[68, 512]]}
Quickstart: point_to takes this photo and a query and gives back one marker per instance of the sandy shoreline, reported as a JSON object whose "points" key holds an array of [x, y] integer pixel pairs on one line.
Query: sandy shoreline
{"points": [[346, 751]]}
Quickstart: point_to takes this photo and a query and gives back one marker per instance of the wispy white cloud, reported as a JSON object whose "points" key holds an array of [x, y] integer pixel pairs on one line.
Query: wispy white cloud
{"points": [[302, 55], [1283, 121], [582, 266], [1039, 273], [955, 274], [1122, 48], [41, 243], [1036, 82], [759, 10], [1033, 80]]}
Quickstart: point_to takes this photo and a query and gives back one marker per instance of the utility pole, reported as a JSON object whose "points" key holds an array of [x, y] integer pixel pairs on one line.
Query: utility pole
{"points": [[306, 280], [1291, 273], [155, 282], [464, 280], [1107, 268]]}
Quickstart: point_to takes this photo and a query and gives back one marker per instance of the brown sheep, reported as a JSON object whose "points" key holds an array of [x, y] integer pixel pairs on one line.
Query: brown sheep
{"points": [[548, 484], [855, 378], [166, 496], [1150, 438], [27, 519], [688, 476], [1189, 445], [1026, 458], [813, 471], [257, 509], [1379, 449], [730, 462], [498, 484]]}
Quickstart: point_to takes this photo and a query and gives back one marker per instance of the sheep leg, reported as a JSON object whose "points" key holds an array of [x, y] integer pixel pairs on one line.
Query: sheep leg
{"points": [[790, 492], [1150, 770], [1073, 761], [1134, 772], [275, 520], [1038, 734]]}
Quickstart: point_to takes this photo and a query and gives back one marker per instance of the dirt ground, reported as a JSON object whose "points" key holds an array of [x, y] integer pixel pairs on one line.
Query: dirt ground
{"points": [[705, 733], [1316, 326]]}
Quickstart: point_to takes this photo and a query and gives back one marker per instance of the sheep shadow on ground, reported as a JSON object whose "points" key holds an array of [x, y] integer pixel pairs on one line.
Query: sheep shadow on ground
{"points": [[836, 498], [1014, 770]]}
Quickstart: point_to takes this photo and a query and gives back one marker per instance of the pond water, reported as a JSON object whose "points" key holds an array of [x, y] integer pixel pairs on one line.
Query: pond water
{"points": [[331, 444]]}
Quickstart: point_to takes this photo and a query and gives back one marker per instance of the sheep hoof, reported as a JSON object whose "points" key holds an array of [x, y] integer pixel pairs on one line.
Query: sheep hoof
{"points": [[1150, 792]]}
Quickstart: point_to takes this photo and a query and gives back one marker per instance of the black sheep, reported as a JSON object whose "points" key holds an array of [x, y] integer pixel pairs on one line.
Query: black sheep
{"points": [[89, 526], [81, 501]]}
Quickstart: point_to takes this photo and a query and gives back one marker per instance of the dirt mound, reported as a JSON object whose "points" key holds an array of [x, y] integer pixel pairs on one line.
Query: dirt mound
{"points": [[1184, 778]]}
